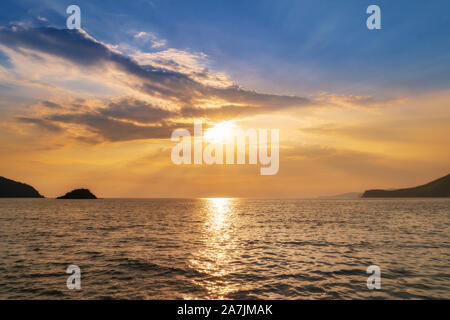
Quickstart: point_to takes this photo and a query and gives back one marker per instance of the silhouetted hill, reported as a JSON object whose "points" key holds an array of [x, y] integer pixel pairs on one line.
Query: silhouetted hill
{"points": [[13, 189], [78, 194], [436, 188], [348, 195]]}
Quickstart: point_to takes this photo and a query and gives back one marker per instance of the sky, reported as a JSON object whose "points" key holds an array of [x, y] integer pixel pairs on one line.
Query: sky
{"points": [[356, 108]]}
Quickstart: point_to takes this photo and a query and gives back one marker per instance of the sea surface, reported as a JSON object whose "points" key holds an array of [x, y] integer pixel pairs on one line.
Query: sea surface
{"points": [[224, 248]]}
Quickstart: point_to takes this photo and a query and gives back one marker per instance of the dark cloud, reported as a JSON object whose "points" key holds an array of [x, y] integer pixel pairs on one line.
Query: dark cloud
{"points": [[130, 119], [237, 95], [136, 110], [89, 139], [115, 130], [69, 44], [85, 51], [51, 105], [122, 120], [41, 123]]}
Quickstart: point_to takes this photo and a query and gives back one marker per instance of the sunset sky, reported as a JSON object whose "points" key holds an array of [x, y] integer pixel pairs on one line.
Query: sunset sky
{"points": [[95, 108]]}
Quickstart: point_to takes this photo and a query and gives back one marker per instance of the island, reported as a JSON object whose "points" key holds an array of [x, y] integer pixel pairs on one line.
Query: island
{"points": [[78, 194], [439, 188], [346, 196], [13, 189]]}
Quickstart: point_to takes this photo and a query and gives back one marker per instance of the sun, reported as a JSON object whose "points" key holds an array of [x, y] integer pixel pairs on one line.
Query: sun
{"points": [[220, 132]]}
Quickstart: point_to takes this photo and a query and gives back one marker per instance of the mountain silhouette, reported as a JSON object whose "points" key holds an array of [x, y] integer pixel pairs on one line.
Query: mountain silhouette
{"points": [[13, 189], [437, 188], [347, 195], [78, 194]]}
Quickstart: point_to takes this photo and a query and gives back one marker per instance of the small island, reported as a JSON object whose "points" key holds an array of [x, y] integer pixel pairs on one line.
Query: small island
{"points": [[13, 189], [439, 188], [78, 194]]}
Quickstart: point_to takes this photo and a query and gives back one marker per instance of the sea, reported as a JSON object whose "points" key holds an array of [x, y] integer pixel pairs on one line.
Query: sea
{"points": [[219, 248]]}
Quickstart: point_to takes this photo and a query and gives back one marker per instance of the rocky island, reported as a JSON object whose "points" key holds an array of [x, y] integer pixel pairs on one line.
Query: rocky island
{"points": [[13, 189], [439, 188], [78, 194]]}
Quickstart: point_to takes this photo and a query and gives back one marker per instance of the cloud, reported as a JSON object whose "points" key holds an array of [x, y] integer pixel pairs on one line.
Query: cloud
{"points": [[403, 130], [191, 63], [128, 118], [356, 101], [135, 110], [229, 112], [51, 105], [113, 130], [41, 123], [150, 37], [172, 86], [121, 119], [4, 60], [176, 87]]}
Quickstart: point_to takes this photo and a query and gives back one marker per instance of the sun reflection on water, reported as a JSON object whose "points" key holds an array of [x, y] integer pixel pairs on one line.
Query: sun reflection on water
{"points": [[219, 213], [219, 249]]}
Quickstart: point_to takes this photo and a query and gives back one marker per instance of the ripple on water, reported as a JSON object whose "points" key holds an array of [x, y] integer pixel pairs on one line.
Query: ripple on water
{"points": [[225, 248]]}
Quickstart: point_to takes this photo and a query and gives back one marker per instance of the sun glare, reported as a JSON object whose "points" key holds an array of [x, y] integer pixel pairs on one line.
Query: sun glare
{"points": [[220, 132]]}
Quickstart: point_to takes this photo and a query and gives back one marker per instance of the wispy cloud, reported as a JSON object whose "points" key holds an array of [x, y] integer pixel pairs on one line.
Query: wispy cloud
{"points": [[151, 38], [41, 123], [356, 101]]}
